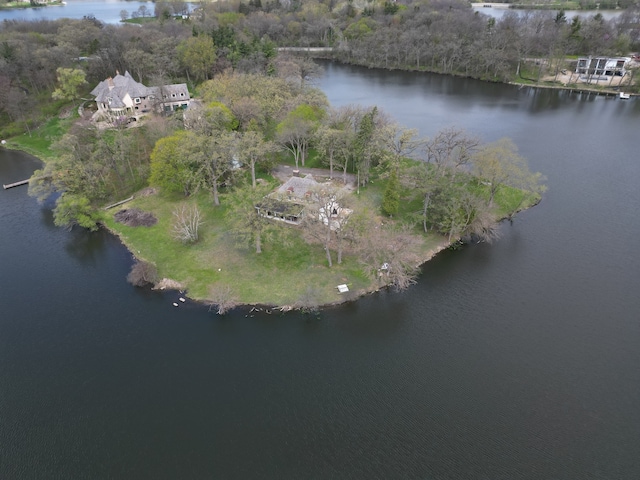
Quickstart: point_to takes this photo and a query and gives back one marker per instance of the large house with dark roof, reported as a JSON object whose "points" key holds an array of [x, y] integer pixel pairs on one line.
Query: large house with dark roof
{"points": [[122, 96]]}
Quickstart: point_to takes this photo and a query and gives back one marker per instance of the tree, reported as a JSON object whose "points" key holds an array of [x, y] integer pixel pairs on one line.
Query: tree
{"points": [[221, 299], [325, 214], [186, 222], [142, 273], [391, 197], [499, 164], [197, 56], [72, 209], [172, 168], [398, 143], [212, 118], [389, 253], [249, 227], [253, 149], [450, 149], [70, 80], [214, 157], [296, 130], [422, 180], [459, 213], [365, 148], [334, 138], [301, 68], [143, 11]]}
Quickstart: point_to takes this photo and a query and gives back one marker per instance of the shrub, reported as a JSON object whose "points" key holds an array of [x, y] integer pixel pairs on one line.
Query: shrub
{"points": [[142, 274]]}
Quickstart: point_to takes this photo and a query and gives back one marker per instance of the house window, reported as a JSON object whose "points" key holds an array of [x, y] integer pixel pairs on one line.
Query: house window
{"points": [[173, 95], [136, 100], [182, 94]]}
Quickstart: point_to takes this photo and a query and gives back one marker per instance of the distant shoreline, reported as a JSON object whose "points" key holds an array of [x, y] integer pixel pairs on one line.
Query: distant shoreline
{"points": [[25, 5]]}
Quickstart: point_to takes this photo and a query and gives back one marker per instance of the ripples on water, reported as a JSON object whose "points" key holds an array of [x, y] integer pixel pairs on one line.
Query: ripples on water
{"points": [[513, 360]]}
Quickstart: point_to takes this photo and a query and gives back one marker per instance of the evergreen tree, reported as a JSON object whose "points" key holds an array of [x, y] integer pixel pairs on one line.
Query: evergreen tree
{"points": [[391, 197]]}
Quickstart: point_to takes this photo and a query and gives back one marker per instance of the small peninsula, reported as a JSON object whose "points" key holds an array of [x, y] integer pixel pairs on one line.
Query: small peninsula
{"points": [[228, 173], [339, 197]]}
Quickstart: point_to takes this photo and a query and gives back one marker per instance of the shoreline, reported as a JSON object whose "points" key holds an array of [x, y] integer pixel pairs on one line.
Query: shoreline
{"points": [[373, 286], [613, 92], [168, 284]]}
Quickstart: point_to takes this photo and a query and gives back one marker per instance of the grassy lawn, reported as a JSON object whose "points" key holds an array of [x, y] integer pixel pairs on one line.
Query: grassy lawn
{"points": [[279, 276], [141, 20], [38, 143]]}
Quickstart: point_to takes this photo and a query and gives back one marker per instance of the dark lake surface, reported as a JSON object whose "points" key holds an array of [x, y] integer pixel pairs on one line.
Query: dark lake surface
{"points": [[517, 360]]}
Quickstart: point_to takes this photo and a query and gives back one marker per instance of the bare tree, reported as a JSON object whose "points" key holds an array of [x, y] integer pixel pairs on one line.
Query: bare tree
{"points": [[324, 215], [221, 299], [390, 254], [451, 148], [186, 223], [399, 143]]}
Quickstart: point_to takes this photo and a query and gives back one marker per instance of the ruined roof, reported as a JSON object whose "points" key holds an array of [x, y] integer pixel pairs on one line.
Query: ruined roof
{"points": [[298, 187], [285, 208]]}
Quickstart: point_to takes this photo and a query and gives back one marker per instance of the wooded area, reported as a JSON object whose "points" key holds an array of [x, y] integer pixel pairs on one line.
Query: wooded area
{"points": [[446, 36]]}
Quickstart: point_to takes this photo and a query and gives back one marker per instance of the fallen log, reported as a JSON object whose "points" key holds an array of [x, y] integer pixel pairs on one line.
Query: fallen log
{"points": [[119, 203], [17, 184]]}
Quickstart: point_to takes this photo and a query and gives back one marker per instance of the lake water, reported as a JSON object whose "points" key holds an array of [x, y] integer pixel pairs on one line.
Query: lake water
{"points": [[517, 360], [500, 11], [107, 11]]}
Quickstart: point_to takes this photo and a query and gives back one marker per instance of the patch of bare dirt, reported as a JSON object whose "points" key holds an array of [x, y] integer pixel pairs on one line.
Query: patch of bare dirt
{"points": [[146, 192], [134, 217], [168, 284]]}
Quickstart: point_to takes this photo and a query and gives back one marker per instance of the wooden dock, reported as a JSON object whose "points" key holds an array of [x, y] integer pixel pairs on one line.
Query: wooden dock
{"points": [[17, 184]]}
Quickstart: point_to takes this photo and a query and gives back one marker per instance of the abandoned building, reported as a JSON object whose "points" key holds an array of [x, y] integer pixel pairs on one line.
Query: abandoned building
{"points": [[288, 203]]}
